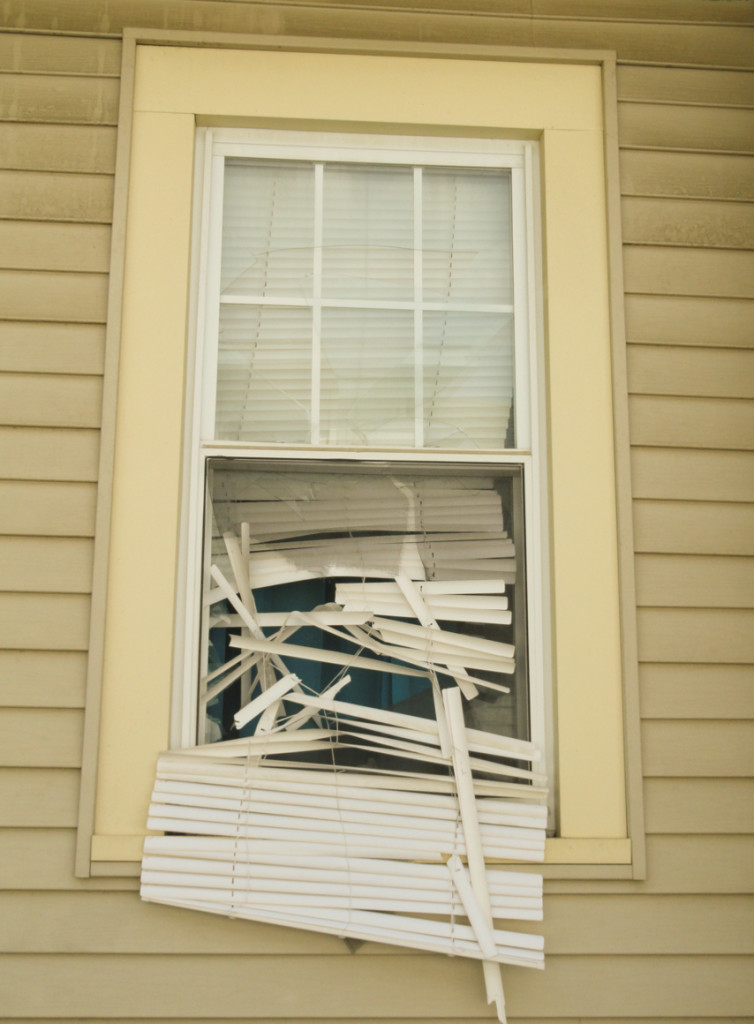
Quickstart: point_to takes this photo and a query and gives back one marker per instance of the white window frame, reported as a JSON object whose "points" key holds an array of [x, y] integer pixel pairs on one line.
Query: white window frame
{"points": [[521, 157]]}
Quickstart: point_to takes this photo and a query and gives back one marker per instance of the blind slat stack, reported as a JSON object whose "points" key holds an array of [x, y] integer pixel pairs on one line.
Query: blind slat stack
{"points": [[364, 853]]}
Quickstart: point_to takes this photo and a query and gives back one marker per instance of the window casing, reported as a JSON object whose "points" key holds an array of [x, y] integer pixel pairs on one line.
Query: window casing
{"points": [[352, 326], [140, 585]]}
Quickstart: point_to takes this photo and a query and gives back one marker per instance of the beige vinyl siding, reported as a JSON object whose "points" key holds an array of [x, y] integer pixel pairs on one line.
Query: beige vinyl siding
{"points": [[673, 947], [25, 679]]}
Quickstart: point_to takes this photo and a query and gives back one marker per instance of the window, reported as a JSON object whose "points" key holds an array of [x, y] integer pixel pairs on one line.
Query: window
{"points": [[363, 447], [141, 588]]}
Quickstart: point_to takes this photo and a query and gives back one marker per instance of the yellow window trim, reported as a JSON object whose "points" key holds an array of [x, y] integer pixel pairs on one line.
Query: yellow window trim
{"points": [[174, 89]]}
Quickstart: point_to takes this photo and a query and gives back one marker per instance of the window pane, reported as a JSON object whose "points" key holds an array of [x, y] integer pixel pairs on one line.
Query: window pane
{"points": [[264, 374], [367, 377], [268, 229], [376, 381], [335, 544], [468, 380], [368, 233], [467, 252]]}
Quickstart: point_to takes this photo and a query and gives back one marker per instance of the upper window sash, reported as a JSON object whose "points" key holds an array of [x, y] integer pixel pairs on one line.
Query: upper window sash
{"points": [[415, 315]]}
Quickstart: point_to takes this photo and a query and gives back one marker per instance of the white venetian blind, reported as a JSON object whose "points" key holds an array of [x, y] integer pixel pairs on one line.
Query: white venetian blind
{"points": [[362, 854], [366, 305]]}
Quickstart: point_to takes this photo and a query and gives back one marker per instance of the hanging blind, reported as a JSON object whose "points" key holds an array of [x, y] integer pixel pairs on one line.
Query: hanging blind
{"points": [[366, 305], [395, 855]]}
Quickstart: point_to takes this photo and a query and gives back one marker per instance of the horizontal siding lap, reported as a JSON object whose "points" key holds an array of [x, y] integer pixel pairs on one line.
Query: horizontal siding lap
{"points": [[686, 85], [675, 370], [698, 749], [697, 691], [42, 679], [142, 986], [47, 295], [658, 270], [39, 798], [46, 347], [712, 43], [676, 126], [689, 320], [49, 453], [59, 53], [686, 222], [646, 172], [466, 1019], [675, 421], [47, 508], [678, 474], [76, 149], [649, 43], [43, 859], [703, 635], [44, 196], [650, 925], [58, 98], [691, 581], [674, 806], [626, 925], [693, 527], [40, 738], [47, 400], [44, 622], [35, 245], [46, 564], [704, 864], [146, 928]]}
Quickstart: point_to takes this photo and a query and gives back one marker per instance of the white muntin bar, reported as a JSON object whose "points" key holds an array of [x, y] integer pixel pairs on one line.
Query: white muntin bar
{"points": [[316, 365], [295, 301], [418, 271]]}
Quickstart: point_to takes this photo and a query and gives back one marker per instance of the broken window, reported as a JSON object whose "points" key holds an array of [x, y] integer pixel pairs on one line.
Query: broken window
{"points": [[393, 584]]}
